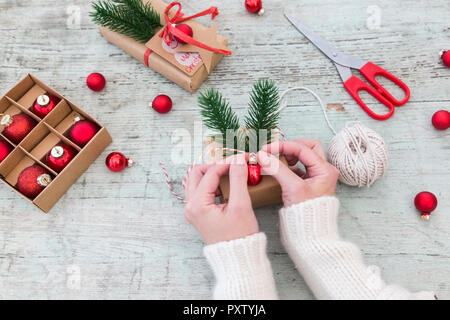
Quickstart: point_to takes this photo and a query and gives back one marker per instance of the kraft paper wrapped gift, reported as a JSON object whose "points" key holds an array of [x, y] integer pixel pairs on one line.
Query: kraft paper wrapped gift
{"points": [[186, 65], [266, 193]]}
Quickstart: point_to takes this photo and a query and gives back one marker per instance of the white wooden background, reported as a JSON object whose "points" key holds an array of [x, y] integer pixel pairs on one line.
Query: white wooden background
{"points": [[125, 235]]}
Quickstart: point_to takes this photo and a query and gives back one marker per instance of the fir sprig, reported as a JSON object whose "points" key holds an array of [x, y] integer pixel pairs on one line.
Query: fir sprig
{"points": [[263, 106], [263, 110], [216, 112], [262, 115], [132, 18]]}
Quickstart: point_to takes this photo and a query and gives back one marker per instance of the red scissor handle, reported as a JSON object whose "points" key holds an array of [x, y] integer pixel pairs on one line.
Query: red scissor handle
{"points": [[370, 71], [354, 85]]}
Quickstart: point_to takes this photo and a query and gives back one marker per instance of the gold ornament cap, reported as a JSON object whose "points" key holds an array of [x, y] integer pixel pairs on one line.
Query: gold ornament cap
{"points": [[6, 120], [130, 163], [57, 152], [253, 159], [425, 216], [44, 180], [43, 100]]}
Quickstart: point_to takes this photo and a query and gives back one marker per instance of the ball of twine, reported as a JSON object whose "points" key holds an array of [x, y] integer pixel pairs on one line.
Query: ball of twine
{"points": [[358, 152], [360, 155]]}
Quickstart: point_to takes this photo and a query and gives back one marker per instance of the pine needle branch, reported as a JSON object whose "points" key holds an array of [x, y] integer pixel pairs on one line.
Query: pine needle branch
{"points": [[263, 107], [217, 113], [132, 18]]}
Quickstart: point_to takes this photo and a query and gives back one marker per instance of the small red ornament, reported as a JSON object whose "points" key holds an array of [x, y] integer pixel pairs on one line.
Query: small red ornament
{"points": [[445, 56], [186, 29], [96, 81], [116, 162], [5, 150], [83, 131], [441, 120], [254, 171], [162, 103], [60, 156], [425, 202], [254, 6], [33, 180], [44, 104], [17, 126]]}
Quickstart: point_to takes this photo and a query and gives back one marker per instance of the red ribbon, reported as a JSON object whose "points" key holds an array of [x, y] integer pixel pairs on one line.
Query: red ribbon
{"points": [[147, 56], [170, 30]]}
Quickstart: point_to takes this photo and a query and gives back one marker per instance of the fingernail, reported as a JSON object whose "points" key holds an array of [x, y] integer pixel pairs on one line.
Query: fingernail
{"points": [[263, 158]]}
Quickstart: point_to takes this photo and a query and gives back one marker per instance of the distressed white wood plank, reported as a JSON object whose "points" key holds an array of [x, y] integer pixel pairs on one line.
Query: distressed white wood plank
{"points": [[127, 234]]}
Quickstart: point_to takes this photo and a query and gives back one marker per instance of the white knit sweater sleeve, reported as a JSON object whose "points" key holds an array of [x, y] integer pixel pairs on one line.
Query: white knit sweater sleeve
{"points": [[242, 269], [332, 268]]}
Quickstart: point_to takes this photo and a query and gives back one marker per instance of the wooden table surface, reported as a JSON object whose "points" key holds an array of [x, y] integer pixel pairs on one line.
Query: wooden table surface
{"points": [[123, 235]]}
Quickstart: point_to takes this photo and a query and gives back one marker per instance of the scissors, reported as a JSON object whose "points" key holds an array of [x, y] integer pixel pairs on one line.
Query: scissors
{"points": [[344, 63]]}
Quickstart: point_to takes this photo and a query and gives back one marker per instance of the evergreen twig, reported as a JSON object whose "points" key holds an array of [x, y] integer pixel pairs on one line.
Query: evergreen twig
{"points": [[216, 112], [263, 107], [262, 115], [132, 18]]}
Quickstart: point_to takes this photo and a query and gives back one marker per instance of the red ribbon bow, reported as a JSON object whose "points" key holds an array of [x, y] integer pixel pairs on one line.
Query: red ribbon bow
{"points": [[170, 30]]}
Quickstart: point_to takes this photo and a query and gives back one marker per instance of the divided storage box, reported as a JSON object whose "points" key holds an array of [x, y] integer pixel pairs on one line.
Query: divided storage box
{"points": [[48, 132]]}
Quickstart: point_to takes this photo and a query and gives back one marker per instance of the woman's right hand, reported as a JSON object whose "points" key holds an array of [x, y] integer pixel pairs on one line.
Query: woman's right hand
{"points": [[319, 179]]}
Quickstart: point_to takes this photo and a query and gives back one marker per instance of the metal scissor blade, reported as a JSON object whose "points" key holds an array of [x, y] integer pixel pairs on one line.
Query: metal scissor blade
{"points": [[344, 72], [330, 51]]}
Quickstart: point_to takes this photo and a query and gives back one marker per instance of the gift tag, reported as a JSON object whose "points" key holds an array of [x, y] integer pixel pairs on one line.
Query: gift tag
{"points": [[189, 62], [187, 59]]}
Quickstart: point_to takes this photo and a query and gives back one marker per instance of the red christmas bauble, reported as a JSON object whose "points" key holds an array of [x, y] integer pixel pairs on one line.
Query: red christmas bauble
{"points": [[445, 56], [254, 6], [5, 149], [82, 132], [425, 202], [254, 171], [44, 104], [96, 81], [116, 161], [33, 180], [162, 103], [186, 29], [254, 174], [17, 126], [441, 120], [60, 156]]}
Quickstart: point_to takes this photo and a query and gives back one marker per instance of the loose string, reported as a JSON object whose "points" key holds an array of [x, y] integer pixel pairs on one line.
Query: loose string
{"points": [[322, 105]]}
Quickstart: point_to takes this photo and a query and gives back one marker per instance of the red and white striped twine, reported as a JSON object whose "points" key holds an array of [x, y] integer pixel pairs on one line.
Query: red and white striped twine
{"points": [[186, 176], [170, 185]]}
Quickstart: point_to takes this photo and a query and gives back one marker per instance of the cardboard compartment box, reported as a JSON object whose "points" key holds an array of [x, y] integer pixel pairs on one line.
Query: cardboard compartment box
{"points": [[48, 132]]}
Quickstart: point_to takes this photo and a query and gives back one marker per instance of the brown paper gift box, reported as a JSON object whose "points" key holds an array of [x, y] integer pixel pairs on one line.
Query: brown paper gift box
{"points": [[48, 132], [189, 78], [266, 193]]}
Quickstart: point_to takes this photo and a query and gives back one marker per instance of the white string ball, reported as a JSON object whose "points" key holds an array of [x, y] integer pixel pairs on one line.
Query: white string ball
{"points": [[359, 153]]}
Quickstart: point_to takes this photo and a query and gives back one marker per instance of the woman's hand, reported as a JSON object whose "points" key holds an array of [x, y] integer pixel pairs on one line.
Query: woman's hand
{"points": [[318, 180], [224, 222]]}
